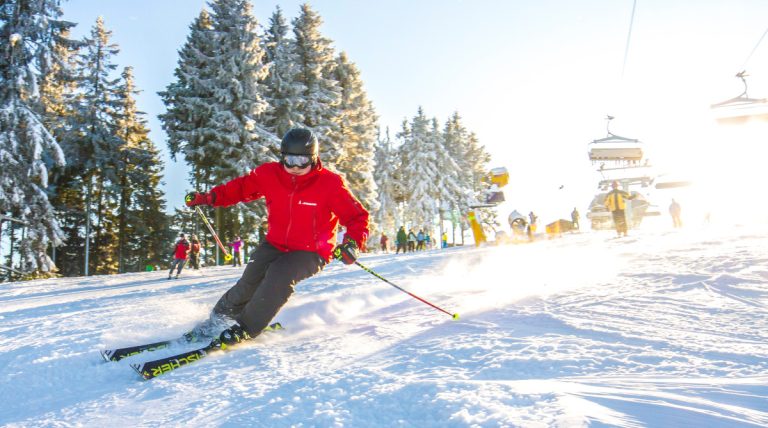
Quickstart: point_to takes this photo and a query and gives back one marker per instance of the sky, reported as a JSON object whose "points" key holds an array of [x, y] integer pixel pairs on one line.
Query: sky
{"points": [[665, 328], [533, 79]]}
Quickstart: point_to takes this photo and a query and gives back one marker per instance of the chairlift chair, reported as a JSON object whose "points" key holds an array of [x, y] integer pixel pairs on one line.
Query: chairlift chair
{"points": [[740, 109], [614, 148]]}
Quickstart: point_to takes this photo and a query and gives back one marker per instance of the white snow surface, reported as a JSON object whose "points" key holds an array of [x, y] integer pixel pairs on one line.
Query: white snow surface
{"points": [[661, 329]]}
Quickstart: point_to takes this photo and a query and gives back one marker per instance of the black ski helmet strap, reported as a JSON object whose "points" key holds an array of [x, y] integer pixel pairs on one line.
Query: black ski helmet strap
{"points": [[299, 141]]}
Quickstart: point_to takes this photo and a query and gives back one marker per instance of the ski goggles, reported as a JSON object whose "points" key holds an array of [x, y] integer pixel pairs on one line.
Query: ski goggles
{"points": [[296, 161]]}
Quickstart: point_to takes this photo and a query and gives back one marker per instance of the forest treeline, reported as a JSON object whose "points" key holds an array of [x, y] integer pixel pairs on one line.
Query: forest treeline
{"points": [[80, 178]]}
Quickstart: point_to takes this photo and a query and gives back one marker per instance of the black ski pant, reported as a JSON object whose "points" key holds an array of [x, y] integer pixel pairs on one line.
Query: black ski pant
{"points": [[177, 262], [266, 284]]}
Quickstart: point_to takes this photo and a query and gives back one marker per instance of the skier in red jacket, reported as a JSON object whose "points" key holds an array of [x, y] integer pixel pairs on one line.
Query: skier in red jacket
{"points": [[180, 252], [305, 204]]}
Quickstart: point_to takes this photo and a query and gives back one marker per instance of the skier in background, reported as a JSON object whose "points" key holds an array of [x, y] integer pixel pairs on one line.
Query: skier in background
{"points": [[420, 238], [236, 245], [401, 241], [616, 203], [674, 211], [180, 252], [194, 252], [575, 218], [411, 240], [306, 204], [383, 242]]}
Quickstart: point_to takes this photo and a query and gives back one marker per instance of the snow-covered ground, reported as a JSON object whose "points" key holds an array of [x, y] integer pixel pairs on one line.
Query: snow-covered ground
{"points": [[663, 329]]}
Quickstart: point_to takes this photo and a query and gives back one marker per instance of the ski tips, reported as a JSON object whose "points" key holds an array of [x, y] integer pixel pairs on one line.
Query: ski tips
{"points": [[456, 316]]}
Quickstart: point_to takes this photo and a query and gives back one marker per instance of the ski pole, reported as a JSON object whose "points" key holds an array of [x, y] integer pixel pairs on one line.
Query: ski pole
{"points": [[454, 316], [227, 256]]}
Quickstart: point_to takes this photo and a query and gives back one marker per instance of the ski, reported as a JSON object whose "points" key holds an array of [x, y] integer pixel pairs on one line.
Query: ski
{"points": [[119, 354], [151, 369]]}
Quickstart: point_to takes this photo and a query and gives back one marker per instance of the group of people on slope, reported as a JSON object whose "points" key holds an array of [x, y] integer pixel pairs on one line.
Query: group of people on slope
{"points": [[411, 241], [190, 250]]}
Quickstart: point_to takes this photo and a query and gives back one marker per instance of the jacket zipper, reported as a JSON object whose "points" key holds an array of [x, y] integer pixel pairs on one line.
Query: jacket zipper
{"points": [[290, 210]]}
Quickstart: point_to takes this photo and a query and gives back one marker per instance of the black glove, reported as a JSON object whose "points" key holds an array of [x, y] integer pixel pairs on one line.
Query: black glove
{"points": [[346, 252], [195, 198]]}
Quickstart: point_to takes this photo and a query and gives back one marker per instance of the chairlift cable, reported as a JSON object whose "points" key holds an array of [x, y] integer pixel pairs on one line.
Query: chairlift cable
{"points": [[629, 37], [744, 66]]}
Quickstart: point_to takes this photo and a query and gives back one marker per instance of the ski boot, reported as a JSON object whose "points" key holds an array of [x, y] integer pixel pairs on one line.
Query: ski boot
{"points": [[232, 336], [209, 328]]}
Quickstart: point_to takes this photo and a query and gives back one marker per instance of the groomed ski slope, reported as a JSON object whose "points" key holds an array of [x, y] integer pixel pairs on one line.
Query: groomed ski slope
{"points": [[661, 329]]}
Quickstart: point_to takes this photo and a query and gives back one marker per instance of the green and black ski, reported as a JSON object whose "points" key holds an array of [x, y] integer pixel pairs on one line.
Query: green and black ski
{"points": [[152, 369], [119, 354]]}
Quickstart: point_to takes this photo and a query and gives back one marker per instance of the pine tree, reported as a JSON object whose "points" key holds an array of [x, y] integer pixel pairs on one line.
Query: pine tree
{"points": [[357, 133], [141, 221], [216, 107], [421, 170], [320, 94], [448, 191], [97, 149], [238, 73], [188, 120], [59, 100], [27, 147], [472, 159], [281, 90], [239, 141], [386, 215]]}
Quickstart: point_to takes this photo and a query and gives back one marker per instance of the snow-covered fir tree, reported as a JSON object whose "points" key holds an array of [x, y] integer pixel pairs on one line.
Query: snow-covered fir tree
{"points": [[239, 140], [282, 92], [420, 172], [386, 216], [455, 137], [478, 159], [318, 104], [189, 101], [97, 150], [447, 186], [472, 158], [357, 132], [27, 148], [59, 98], [141, 218], [238, 71], [400, 185]]}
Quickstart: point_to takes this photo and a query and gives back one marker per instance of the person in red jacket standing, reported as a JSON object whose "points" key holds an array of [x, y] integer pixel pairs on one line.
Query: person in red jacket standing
{"points": [[305, 203], [180, 252]]}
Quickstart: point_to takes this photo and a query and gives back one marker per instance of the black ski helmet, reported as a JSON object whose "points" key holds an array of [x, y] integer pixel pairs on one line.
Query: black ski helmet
{"points": [[299, 141]]}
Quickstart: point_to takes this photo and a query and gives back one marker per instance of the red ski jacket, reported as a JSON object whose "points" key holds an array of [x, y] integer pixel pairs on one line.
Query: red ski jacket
{"points": [[182, 247], [303, 211]]}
